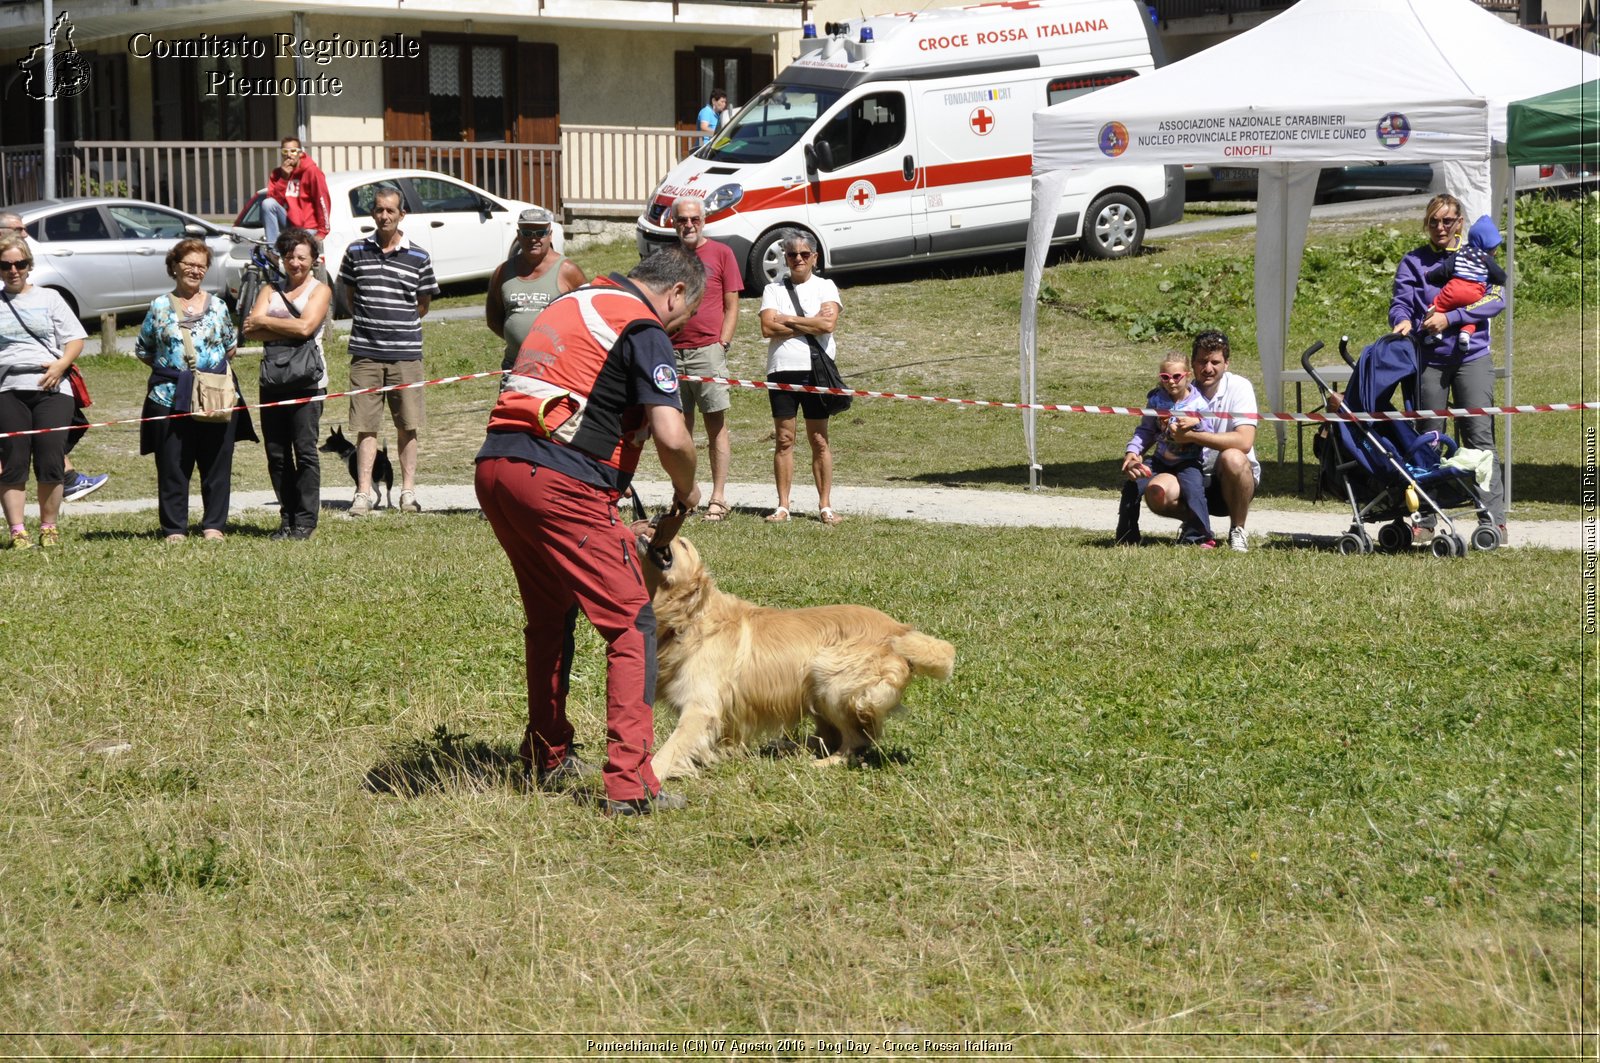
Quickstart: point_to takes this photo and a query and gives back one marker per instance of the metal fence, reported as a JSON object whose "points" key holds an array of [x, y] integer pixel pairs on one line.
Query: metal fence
{"points": [[216, 179], [613, 169]]}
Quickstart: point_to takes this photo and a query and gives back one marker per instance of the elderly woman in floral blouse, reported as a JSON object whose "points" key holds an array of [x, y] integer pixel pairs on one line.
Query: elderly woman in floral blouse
{"points": [[181, 443]]}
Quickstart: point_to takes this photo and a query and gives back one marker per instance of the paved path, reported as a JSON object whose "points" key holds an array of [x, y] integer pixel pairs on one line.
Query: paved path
{"points": [[940, 505]]}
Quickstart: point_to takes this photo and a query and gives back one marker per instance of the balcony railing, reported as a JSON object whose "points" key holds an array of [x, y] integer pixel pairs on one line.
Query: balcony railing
{"points": [[594, 170], [216, 179], [612, 169]]}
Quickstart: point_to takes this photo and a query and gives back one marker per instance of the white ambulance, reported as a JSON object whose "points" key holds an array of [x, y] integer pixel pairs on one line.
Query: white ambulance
{"points": [[904, 137]]}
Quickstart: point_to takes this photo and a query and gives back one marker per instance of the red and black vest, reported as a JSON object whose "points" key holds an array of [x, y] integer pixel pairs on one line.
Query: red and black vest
{"points": [[570, 381]]}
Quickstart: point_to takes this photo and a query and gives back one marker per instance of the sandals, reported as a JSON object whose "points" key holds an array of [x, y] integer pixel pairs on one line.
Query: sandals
{"points": [[827, 516], [778, 516], [716, 510]]}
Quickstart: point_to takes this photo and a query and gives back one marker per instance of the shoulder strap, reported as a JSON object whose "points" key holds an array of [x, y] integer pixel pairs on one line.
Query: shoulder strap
{"points": [[814, 343], [38, 338], [277, 286]]}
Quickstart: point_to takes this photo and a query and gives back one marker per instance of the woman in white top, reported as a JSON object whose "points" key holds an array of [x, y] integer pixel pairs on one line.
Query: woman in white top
{"points": [[39, 340], [790, 333], [290, 432]]}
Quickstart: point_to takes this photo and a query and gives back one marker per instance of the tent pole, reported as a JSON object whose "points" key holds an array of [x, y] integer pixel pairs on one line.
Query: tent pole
{"points": [[1511, 281]]}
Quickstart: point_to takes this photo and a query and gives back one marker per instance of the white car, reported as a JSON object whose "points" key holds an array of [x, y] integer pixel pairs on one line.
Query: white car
{"points": [[466, 231]]}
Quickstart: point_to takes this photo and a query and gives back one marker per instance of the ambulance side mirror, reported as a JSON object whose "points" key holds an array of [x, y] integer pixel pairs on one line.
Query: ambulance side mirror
{"points": [[819, 155]]}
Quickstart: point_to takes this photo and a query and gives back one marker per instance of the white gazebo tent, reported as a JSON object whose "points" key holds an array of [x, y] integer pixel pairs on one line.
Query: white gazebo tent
{"points": [[1326, 83]]}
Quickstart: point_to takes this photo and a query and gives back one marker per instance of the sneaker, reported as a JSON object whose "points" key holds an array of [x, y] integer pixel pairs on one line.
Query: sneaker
{"points": [[300, 533], [82, 485], [1238, 541], [49, 537], [408, 502], [1421, 535], [21, 541], [283, 533], [362, 504], [644, 806], [572, 771]]}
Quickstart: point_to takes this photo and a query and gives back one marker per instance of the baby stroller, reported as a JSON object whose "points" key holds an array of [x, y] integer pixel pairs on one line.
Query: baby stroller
{"points": [[1389, 470]]}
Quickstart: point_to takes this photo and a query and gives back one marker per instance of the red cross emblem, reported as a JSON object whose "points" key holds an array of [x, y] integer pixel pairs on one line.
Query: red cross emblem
{"points": [[860, 195], [981, 120]]}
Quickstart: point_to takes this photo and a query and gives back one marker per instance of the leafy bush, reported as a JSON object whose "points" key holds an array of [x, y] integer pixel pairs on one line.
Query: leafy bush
{"points": [[1348, 280]]}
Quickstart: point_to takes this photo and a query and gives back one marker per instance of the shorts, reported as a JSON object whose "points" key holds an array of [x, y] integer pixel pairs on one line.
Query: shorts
{"points": [[704, 361], [784, 403], [405, 407]]}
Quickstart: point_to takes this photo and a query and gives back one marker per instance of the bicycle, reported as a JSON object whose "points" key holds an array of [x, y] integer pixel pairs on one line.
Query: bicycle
{"points": [[260, 271], [263, 270]]}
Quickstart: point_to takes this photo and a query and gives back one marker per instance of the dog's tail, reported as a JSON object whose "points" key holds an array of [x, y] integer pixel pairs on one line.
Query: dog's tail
{"points": [[927, 655]]}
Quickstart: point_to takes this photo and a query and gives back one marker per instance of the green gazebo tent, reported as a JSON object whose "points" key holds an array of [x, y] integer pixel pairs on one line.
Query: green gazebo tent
{"points": [[1561, 126], [1558, 127]]}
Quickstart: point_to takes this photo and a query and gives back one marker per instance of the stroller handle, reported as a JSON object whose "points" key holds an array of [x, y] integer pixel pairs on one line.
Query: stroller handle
{"points": [[1305, 363], [1344, 351]]}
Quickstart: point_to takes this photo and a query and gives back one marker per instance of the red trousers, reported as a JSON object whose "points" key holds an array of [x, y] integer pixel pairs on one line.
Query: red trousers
{"points": [[569, 552], [1457, 293]]}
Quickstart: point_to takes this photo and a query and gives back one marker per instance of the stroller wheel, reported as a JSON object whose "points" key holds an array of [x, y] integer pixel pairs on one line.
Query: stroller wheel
{"points": [[1352, 544], [1394, 537], [1485, 537], [1449, 546]]}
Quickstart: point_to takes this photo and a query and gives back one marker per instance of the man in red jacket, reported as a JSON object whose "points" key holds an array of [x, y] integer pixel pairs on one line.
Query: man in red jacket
{"points": [[297, 194]]}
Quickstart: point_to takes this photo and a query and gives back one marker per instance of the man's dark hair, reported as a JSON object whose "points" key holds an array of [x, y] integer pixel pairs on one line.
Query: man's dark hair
{"points": [[1211, 340], [386, 190], [718, 94], [288, 138], [669, 266]]}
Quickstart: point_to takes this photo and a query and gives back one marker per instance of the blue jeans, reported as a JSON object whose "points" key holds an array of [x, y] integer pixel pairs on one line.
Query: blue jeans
{"points": [[274, 218]]}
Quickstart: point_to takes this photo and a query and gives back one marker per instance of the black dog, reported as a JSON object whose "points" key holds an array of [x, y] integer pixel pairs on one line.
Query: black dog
{"points": [[382, 471]]}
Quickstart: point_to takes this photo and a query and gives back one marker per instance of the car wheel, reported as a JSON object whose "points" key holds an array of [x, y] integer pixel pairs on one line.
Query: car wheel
{"points": [[765, 263], [1113, 227]]}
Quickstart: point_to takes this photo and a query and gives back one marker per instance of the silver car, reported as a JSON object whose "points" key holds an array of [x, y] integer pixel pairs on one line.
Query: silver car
{"points": [[109, 256]]}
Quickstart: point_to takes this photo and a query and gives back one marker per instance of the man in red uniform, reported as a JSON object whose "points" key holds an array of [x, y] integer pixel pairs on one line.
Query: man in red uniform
{"points": [[594, 379], [297, 195]]}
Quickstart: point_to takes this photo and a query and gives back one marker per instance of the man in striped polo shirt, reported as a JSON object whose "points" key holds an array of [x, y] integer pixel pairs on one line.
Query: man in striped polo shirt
{"points": [[389, 283]]}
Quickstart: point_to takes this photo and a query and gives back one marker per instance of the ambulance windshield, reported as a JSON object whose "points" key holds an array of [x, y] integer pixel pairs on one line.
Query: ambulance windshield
{"points": [[770, 124]]}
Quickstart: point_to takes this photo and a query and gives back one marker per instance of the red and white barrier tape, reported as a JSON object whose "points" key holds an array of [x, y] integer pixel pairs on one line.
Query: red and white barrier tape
{"points": [[763, 385], [1138, 411], [265, 405]]}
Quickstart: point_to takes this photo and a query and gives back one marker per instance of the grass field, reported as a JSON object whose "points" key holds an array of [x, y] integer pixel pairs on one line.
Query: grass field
{"points": [[1277, 804]]}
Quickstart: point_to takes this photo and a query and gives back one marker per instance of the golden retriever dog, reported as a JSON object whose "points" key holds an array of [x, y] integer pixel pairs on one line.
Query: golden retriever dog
{"points": [[737, 672]]}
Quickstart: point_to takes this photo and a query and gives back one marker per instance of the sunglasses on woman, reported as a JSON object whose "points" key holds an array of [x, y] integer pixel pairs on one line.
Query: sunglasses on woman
{"points": [[20, 265], [800, 255]]}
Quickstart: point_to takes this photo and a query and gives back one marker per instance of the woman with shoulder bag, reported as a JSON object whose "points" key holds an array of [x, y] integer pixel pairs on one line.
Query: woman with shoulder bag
{"points": [[40, 338], [798, 317], [188, 333], [292, 322]]}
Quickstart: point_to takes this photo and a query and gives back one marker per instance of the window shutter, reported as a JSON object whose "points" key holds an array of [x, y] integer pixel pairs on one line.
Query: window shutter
{"points": [[538, 120]]}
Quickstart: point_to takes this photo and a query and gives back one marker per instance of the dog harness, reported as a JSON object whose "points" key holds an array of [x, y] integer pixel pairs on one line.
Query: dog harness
{"points": [[569, 383]]}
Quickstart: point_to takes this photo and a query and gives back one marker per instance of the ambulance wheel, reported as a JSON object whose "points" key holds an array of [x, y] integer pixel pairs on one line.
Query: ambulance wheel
{"points": [[765, 263], [1394, 537], [1350, 544], [1485, 537], [1113, 227]]}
